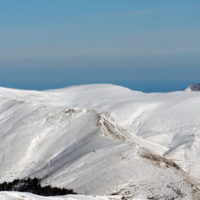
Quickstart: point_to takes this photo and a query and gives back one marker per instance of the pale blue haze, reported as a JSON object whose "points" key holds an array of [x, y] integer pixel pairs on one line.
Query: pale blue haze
{"points": [[146, 45]]}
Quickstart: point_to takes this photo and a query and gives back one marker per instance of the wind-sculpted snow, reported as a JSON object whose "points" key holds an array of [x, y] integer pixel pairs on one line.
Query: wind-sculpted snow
{"points": [[103, 140]]}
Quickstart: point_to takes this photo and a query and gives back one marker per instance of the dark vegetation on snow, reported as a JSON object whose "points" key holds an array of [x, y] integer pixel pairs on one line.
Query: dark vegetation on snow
{"points": [[34, 186]]}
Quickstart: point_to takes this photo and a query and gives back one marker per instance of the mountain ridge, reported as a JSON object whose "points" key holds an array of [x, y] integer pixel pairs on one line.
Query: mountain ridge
{"points": [[89, 138]]}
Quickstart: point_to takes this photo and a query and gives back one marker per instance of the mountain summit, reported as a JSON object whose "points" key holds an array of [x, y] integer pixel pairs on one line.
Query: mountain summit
{"points": [[194, 87]]}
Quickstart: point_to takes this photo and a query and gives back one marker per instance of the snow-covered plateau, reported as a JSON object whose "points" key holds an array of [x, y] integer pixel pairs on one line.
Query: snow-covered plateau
{"points": [[103, 141]]}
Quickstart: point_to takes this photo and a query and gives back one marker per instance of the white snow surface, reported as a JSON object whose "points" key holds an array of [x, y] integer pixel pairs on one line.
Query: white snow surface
{"points": [[103, 139], [29, 196]]}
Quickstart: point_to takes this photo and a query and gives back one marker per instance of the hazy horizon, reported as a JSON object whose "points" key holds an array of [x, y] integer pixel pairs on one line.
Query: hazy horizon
{"points": [[144, 45]]}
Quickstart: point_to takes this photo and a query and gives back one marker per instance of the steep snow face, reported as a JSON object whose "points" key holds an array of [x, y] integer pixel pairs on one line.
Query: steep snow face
{"points": [[103, 139]]}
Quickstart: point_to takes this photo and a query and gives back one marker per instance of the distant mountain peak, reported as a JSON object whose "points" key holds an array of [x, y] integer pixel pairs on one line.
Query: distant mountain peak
{"points": [[193, 87]]}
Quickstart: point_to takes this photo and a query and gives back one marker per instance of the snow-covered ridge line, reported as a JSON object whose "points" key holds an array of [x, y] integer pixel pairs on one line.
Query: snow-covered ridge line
{"points": [[111, 129], [106, 123]]}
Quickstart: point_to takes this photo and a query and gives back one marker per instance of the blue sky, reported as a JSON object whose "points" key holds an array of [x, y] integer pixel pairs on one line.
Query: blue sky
{"points": [[138, 44]]}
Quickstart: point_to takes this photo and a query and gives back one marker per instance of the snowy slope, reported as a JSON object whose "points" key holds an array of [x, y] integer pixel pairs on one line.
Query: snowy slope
{"points": [[103, 139]]}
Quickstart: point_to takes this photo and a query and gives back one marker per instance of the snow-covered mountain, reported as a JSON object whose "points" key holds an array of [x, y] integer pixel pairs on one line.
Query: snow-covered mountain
{"points": [[103, 139], [193, 87]]}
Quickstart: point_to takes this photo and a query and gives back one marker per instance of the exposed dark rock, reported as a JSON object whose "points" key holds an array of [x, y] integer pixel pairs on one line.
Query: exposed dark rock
{"points": [[194, 87]]}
